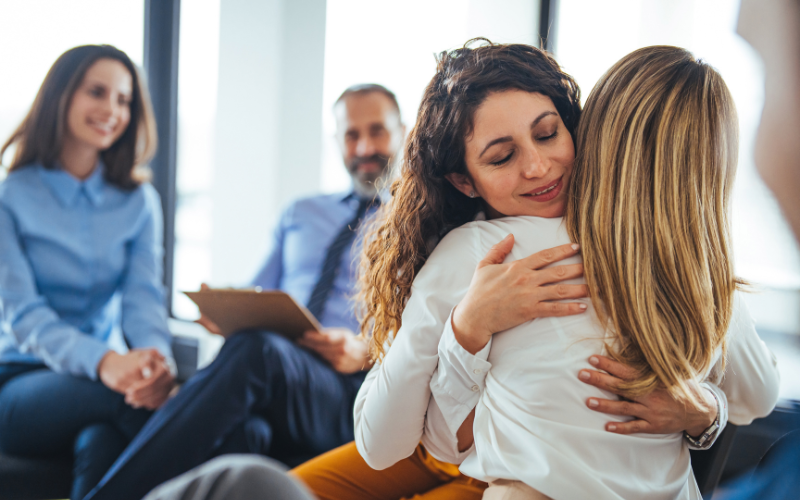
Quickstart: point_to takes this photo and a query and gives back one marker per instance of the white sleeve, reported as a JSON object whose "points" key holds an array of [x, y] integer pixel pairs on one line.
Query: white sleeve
{"points": [[392, 403], [723, 415], [751, 379], [456, 386]]}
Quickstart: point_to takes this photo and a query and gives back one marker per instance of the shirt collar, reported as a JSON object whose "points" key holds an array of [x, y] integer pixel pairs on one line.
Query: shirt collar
{"points": [[67, 188]]}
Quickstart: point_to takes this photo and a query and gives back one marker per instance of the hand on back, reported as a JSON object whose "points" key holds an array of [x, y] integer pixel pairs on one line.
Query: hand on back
{"points": [[502, 296], [654, 413]]}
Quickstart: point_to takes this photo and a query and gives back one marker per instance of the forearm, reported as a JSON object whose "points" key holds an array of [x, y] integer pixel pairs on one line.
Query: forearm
{"points": [[146, 327], [389, 414], [38, 331]]}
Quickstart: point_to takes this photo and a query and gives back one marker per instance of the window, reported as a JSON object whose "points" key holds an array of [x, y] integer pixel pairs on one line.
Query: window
{"points": [[198, 63]]}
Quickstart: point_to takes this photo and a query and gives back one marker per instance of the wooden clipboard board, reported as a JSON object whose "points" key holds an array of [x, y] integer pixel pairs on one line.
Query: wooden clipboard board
{"points": [[235, 310]]}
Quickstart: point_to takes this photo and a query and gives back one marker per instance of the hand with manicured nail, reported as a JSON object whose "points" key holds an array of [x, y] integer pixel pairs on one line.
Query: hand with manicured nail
{"points": [[655, 413], [505, 295]]}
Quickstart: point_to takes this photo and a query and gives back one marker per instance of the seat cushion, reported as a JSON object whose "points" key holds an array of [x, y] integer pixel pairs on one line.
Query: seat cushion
{"points": [[34, 479]]}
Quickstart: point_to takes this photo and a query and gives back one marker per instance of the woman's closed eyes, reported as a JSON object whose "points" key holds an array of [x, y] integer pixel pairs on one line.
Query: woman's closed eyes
{"points": [[505, 159]]}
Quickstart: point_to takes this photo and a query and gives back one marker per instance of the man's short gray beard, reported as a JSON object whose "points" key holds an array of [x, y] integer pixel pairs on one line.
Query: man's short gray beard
{"points": [[368, 189]]}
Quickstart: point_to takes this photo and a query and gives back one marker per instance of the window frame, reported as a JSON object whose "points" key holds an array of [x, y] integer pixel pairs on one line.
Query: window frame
{"points": [[161, 45]]}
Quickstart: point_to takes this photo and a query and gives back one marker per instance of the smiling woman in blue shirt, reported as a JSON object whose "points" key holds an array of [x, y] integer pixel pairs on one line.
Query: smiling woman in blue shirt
{"points": [[84, 346]]}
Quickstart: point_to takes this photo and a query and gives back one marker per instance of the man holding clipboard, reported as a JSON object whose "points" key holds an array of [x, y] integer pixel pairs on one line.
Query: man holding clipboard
{"points": [[265, 393]]}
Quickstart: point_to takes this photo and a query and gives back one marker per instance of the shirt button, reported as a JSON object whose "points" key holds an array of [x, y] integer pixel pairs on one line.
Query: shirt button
{"points": [[476, 371], [475, 388]]}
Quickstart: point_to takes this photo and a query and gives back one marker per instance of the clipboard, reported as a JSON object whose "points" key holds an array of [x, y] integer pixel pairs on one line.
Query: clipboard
{"points": [[234, 310]]}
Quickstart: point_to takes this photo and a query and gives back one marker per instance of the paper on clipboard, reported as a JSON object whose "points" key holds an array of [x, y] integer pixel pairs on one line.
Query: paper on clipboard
{"points": [[235, 310]]}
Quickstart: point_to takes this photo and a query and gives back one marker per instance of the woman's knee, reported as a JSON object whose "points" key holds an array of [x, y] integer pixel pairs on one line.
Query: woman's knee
{"points": [[96, 448], [99, 440], [42, 412], [253, 435]]}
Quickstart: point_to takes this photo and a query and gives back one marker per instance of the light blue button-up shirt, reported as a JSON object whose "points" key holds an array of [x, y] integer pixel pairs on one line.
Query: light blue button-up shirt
{"points": [[80, 270], [305, 231]]}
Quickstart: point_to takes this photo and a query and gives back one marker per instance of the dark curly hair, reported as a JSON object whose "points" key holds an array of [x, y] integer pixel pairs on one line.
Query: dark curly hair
{"points": [[425, 206]]}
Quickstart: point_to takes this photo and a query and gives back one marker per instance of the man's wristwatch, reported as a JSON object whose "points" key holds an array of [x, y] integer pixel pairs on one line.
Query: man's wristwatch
{"points": [[708, 434]]}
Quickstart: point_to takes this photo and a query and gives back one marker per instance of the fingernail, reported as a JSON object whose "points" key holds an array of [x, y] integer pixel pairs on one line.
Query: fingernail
{"points": [[584, 375], [583, 306], [593, 403], [594, 360], [612, 427], [575, 246]]}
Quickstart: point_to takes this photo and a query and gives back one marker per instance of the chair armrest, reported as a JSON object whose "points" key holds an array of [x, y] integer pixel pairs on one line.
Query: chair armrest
{"points": [[185, 351]]}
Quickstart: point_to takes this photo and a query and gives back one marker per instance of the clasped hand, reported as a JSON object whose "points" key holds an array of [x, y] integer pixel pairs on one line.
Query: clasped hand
{"points": [[142, 375]]}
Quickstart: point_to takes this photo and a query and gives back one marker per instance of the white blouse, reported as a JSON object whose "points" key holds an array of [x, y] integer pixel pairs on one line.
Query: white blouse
{"points": [[394, 405]]}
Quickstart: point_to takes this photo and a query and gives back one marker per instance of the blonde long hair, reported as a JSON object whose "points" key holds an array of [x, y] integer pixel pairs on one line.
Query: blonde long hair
{"points": [[656, 157]]}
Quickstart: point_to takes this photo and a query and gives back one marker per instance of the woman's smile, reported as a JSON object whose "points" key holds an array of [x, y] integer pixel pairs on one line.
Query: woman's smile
{"points": [[546, 192], [519, 156]]}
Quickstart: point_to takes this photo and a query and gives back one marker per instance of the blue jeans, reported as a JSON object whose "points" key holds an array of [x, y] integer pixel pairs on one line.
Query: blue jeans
{"points": [[262, 394], [45, 415]]}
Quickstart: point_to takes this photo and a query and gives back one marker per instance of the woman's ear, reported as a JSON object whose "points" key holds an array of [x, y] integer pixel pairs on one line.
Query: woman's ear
{"points": [[463, 183]]}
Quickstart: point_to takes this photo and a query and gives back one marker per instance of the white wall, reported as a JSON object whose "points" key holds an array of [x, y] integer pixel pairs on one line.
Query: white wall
{"points": [[268, 133]]}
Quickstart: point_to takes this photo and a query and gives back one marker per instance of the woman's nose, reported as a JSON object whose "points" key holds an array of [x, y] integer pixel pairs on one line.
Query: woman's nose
{"points": [[534, 165], [107, 108]]}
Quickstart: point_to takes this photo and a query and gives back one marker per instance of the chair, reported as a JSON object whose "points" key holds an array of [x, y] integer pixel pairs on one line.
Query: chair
{"points": [[709, 464], [41, 479]]}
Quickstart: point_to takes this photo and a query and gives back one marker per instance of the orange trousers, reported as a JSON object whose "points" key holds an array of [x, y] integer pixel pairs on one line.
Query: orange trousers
{"points": [[342, 474]]}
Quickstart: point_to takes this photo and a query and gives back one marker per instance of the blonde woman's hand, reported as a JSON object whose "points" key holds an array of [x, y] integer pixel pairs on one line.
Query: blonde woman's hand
{"points": [[655, 413], [502, 296]]}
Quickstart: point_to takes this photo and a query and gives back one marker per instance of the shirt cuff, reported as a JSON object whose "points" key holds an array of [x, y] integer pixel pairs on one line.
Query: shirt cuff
{"points": [[459, 379], [91, 353], [723, 415]]}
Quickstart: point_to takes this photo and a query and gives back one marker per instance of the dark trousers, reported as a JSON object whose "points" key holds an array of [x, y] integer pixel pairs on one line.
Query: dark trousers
{"points": [[262, 394], [777, 476], [45, 414]]}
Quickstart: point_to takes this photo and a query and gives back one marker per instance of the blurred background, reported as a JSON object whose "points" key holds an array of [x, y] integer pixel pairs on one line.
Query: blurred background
{"points": [[244, 91]]}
